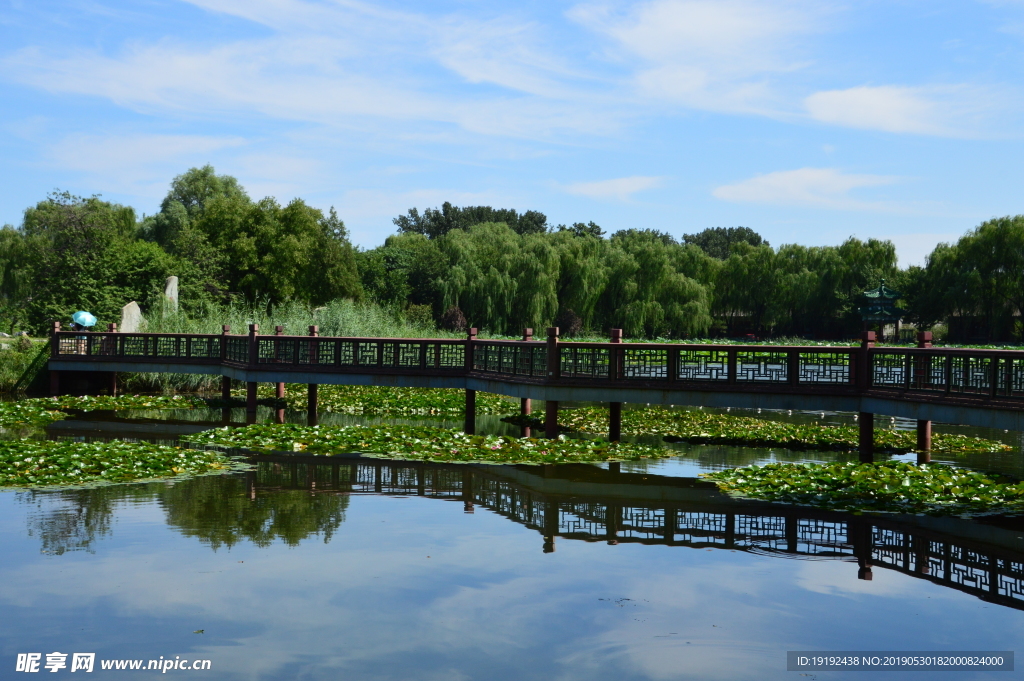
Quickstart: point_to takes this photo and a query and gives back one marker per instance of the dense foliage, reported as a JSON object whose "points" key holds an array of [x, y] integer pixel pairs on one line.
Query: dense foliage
{"points": [[700, 427], [894, 486], [419, 443], [494, 268]]}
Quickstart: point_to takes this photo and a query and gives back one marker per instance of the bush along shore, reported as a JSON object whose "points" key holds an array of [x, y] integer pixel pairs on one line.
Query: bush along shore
{"points": [[892, 486], [366, 400], [421, 443], [699, 427], [45, 463]]}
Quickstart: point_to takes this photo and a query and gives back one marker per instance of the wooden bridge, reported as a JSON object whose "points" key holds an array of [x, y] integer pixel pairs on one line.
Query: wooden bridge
{"points": [[585, 503], [949, 385]]}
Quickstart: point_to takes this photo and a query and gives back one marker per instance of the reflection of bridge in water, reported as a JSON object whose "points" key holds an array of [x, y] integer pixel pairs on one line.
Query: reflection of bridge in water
{"points": [[591, 504]]}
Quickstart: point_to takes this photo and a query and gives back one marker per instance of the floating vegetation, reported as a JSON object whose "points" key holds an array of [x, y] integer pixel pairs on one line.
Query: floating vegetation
{"points": [[896, 486], [42, 410], [385, 401], [699, 427], [64, 462], [419, 443]]}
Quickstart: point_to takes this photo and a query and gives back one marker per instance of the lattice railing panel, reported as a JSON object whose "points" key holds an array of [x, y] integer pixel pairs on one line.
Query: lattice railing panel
{"points": [[644, 364], [585, 362], [888, 369], [703, 365], [696, 527], [762, 365], [970, 374], [824, 367]]}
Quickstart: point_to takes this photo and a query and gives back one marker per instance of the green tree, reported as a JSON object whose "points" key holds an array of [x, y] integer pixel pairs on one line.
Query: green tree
{"points": [[717, 241]]}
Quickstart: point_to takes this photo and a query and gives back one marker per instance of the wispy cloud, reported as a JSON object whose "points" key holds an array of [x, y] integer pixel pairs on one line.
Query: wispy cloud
{"points": [[708, 54], [621, 188], [820, 187], [948, 111]]}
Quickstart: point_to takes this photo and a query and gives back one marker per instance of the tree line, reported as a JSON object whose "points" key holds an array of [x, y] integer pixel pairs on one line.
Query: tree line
{"points": [[497, 269]]}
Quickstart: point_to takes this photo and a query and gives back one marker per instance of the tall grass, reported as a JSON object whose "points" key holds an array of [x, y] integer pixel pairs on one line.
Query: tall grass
{"points": [[337, 318]]}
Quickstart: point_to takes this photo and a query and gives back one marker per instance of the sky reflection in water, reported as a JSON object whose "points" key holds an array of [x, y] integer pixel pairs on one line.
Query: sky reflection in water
{"points": [[291, 584]]}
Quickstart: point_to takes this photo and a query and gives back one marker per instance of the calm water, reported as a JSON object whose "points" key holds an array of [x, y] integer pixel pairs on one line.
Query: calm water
{"points": [[362, 569]]}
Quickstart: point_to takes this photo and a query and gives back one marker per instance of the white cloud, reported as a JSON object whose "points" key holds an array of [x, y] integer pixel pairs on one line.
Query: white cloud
{"points": [[707, 54], [821, 187], [621, 188], [949, 111]]}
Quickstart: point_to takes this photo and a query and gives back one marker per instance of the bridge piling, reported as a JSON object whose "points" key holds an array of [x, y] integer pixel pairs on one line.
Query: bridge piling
{"points": [[312, 407], [525, 404], [554, 373], [866, 436], [924, 428], [470, 424], [615, 408]]}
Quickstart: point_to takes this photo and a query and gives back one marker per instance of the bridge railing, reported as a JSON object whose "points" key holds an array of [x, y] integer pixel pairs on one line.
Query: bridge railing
{"points": [[936, 371]]}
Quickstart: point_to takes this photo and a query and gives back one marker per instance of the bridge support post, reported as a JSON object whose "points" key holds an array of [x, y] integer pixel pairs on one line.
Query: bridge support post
{"points": [[54, 351], [551, 419], [250, 402], [279, 413], [525, 403], [614, 421], [470, 424], [924, 428], [312, 415], [866, 440], [225, 388], [924, 441]]}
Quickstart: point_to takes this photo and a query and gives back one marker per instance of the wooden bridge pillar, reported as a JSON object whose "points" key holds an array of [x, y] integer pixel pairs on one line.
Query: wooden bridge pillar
{"points": [[54, 351], [525, 403], [279, 412], [554, 371], [614, 421], [250, 402], [312, 415], [924, 441], [225, 388], [866, 439], [551, 419], [470, 424], [924, 428]]}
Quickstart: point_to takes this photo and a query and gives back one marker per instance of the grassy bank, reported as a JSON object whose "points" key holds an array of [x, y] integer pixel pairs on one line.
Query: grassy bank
{"points": [[381, 401]]}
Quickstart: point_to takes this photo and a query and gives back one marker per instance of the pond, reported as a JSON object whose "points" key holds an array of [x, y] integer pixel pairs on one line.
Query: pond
{"points": [[356, 568]]}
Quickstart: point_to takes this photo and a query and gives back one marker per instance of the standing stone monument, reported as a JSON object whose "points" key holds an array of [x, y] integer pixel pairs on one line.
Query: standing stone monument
{"points": [[131, 318], [171, 293]]}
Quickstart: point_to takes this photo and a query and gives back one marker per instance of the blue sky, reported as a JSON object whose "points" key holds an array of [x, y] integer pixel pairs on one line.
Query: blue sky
{"points": [[807, 121]]}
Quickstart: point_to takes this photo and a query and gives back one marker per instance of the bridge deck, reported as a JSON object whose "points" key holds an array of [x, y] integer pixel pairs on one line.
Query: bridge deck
{"points": [[950, 385]]}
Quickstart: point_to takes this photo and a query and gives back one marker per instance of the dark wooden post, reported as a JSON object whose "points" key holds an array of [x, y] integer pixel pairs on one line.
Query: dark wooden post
{"points": [[866, 420], [55, 351], [550, 525], [469, 425], [250, 386], [614, 408], [525, 403], [924, 428], [866, 439], [279, 331], [112, 350], [312, 415], [551, 406], [225, 381], [867, 342]]}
